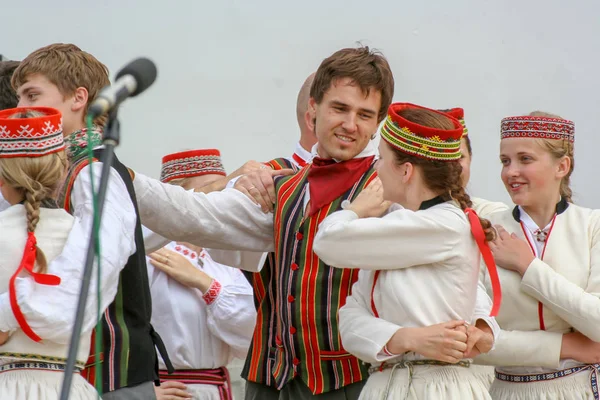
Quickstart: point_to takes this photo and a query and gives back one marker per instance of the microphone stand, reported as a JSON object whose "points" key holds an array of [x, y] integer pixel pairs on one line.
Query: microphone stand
{"points": [[110, 141]]}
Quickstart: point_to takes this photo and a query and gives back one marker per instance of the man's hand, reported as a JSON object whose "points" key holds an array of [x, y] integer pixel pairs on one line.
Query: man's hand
{"points": [[247, 168], [260, 187], [171, 390]]}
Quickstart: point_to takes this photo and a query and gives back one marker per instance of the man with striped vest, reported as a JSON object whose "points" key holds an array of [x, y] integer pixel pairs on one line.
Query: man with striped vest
{"points": [[296, 351]]}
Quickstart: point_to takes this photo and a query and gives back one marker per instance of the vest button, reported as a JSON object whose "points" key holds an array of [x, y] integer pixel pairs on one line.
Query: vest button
{"points": [[294, 266], [295, 361], [299, 236], [292, 330], [291, 299]]}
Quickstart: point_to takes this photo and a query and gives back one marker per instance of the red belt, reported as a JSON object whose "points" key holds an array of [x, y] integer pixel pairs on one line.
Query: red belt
{"points": [[217, 377]]}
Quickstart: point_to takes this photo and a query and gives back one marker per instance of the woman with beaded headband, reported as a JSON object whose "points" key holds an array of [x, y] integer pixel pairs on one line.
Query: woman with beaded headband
{"points": [[34, 230], [410, 311], [203, 309], [548, 251]]}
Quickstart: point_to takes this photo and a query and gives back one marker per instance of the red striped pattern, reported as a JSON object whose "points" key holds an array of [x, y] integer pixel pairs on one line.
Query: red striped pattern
{"points": [[309, 294], [218, 377]]}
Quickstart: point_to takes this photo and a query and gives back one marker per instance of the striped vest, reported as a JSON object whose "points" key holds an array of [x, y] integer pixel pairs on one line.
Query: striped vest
{"points": [[298, 298], [129, 356]]}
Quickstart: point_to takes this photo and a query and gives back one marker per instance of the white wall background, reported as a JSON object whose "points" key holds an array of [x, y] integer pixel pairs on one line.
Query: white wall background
{"points": [[229, 70]]}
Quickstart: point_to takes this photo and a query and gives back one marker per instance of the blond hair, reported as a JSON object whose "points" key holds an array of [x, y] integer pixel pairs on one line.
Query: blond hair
{"points": [[559, 148], [37, 179], [68, 67]]}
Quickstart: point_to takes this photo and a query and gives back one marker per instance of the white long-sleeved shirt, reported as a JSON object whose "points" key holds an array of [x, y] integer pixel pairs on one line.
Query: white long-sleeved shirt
{"points": [[225, 220], [50, 311], [429, 265], [202, 330], [566, 281]]}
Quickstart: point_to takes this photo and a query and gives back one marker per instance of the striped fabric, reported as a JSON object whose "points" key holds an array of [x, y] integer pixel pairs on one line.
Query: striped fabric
{"points": [[298, 298], [282, 163], [218, 377], [258, 365]]}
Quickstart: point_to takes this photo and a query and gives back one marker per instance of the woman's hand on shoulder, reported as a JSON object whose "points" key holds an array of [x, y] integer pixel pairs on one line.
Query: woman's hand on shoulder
{"points": [[370, 202]]}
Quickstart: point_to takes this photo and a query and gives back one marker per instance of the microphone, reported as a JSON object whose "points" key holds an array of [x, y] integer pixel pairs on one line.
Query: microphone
{"points": [[132, 80]]}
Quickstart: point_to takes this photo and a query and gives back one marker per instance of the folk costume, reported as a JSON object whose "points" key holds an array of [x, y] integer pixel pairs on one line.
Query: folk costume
{"points": [[29, 366], [296, 340], [418, 269], [202, 332], [557, 294]]}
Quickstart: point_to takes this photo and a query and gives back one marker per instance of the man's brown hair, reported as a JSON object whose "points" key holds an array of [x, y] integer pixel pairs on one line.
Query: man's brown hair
{"points": [[366, 68], [8, 97], [66, 66]]}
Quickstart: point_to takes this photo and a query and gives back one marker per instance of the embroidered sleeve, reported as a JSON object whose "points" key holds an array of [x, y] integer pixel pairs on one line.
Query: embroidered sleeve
{"points": [[213, 291]]}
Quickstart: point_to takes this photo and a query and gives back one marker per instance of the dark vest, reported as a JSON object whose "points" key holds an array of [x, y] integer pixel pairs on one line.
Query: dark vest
{"points": [[129, 355]]}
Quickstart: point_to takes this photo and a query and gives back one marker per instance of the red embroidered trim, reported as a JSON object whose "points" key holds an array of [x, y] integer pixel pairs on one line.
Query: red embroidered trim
{"points": [[537, 127], [212, 292], [387, 352]]}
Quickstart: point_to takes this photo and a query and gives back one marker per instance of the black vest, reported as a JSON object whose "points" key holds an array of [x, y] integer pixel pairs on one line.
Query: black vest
{"points": [[129, 341]]}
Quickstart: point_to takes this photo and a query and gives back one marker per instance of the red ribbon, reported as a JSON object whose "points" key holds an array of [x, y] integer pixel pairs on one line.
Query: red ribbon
{"points": [[28, 263], [488, 258]]}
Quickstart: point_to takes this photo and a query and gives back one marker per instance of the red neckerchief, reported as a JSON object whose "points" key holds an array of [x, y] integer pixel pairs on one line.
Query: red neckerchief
{"points": [[329, 179]]}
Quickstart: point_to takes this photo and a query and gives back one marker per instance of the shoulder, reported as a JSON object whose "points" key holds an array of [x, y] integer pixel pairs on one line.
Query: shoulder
{"points": [[484, 208], [501, 217], [446, 216], [11, 215], [578, 216]]}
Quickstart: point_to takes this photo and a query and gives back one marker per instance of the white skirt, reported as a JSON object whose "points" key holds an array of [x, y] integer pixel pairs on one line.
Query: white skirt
{"points": [[573, 387], [28, 384], [429, 382], [485, 373]]}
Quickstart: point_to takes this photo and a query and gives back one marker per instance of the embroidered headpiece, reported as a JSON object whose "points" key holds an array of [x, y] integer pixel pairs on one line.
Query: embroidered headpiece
{"points": [[419, 140], [30, 137], [459, 114], [538, 128], [187, 164]]}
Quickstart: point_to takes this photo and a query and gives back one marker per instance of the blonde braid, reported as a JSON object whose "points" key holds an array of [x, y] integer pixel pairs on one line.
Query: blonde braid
{"points": [[33, 200]]}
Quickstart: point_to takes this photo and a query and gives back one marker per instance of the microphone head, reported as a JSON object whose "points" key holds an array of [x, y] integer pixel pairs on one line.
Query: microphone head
{"points": [[143, 70]]}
